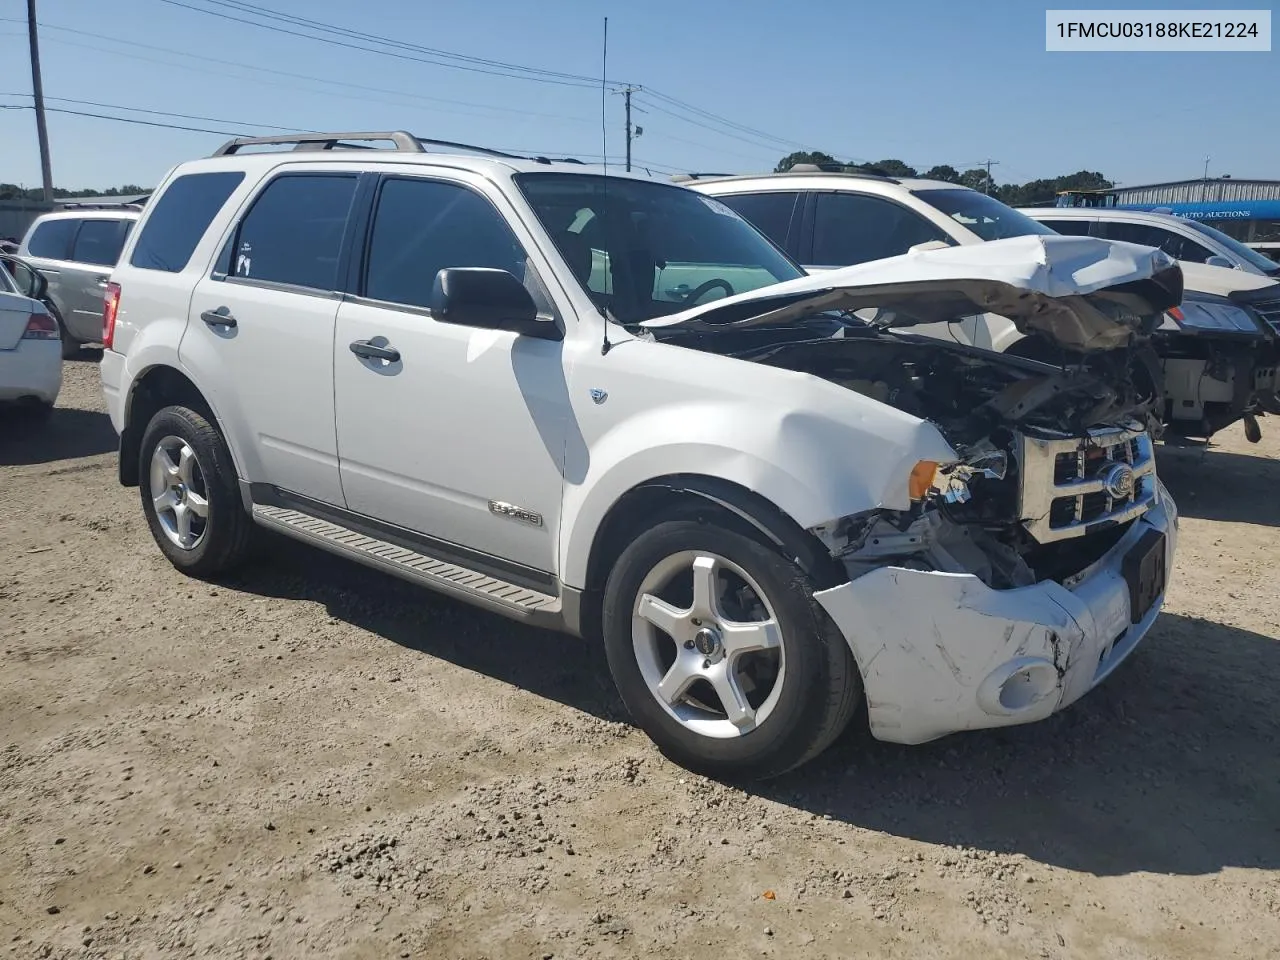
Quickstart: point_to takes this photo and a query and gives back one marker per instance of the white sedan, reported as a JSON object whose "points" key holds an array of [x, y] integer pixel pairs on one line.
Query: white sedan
{"points": [[30, 351]]}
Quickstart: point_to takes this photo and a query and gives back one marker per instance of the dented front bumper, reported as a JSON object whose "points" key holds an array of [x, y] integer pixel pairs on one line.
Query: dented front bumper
{"points": [[943, 652]]}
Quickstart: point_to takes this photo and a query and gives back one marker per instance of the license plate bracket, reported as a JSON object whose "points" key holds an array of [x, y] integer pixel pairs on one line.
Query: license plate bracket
{"points": [[1144, 572]]}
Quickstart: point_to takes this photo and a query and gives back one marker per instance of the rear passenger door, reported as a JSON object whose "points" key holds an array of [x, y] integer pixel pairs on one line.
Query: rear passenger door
{"points": [[1073, 226], [94, 251], [47, 249], [262, 323]]}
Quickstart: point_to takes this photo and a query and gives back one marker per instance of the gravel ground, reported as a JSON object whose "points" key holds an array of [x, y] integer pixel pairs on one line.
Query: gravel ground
{"points": [[312, 760]]}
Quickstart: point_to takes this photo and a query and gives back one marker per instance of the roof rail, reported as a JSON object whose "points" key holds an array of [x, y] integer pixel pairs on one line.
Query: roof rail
{"points": [[404, 142], [686, 177], [132, 204]]}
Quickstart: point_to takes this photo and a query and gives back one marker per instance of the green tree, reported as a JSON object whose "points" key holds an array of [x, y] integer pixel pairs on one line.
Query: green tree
{"points": [[892, 168], [978, 179], [944, 172], [803, 156]]}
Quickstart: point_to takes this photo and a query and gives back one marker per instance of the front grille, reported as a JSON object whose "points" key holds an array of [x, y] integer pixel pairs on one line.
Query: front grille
{"points": [[1269, 311], [1072, 485]]}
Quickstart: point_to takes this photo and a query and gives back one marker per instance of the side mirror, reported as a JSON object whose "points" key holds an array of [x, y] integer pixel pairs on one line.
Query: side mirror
{"points": [[1217, 261], [928, 245], [31, 282], [490, 299]]}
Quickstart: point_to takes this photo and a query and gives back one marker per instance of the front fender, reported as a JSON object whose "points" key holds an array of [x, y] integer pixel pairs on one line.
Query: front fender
{"points": [[811, 466]]}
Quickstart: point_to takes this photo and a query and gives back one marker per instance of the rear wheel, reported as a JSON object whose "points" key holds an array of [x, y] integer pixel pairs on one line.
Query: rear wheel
{"points": [[190, 494], [721, 654], [70, 345]]}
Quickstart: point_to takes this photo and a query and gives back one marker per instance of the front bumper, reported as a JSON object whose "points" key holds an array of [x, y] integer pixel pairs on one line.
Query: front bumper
{"points": [[943, 652]]}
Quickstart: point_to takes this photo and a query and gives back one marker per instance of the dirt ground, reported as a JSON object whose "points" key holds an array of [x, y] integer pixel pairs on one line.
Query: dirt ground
{"points": [[313, 760]]}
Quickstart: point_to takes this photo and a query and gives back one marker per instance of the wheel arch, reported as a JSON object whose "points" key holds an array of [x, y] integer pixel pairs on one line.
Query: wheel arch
{"points": [[698, 495], [157, 387]]}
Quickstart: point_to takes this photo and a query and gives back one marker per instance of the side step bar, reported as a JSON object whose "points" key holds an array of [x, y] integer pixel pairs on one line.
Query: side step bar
{"points": [[514, 601]]}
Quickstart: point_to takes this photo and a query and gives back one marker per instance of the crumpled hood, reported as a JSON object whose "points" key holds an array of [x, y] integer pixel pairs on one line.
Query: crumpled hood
{"points": [[1080, 292]]}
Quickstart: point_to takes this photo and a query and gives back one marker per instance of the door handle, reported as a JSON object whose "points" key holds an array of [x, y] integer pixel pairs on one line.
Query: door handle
{"points": [[371, 351], [219, 317]]}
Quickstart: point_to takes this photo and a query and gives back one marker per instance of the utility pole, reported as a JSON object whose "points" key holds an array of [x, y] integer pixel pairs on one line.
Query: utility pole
{"points": [[37, 91], [632, 132], [1204, 183], [989, 164]]}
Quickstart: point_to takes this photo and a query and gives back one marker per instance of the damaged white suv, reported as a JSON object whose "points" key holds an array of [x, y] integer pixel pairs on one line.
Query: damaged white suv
{"points": [[499, 377]]}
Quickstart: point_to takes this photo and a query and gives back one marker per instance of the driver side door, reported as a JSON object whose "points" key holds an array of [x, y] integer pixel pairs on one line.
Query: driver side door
{"points": [[453, 435]]}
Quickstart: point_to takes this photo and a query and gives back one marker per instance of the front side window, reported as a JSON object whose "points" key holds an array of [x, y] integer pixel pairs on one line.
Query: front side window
{"points": [[982, 214], [293, 232], [179, 218], [1248, 255], [52, 239], [851, 228], [770, 213], [421, 227], [643, 249], [99, 242]]}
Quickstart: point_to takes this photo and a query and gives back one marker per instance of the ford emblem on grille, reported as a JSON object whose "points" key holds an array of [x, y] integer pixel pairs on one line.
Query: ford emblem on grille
{"points": [[1118, 481]]}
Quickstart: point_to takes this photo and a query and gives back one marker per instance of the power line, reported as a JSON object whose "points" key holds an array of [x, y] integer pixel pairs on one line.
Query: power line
{"points": [[145, 123], [166, 113], [294, 19], [222, 62], [386, 53], [512, 70]]}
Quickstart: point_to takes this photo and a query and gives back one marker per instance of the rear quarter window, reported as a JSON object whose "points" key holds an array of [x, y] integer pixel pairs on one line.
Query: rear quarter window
{"points": [[179, 218], [52, 239]]}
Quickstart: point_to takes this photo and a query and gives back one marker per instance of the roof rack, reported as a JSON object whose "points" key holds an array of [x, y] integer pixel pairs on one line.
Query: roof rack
{"points": [[401, 140], [131, 203], [686, 177], [404, 142]]}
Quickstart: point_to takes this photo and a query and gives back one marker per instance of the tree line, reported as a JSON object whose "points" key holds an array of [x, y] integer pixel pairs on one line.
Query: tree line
{"points": [[11, 191], [1031, 194]]}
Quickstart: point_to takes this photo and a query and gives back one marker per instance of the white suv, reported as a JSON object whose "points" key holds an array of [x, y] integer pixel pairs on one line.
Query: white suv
{"points": [[1216, 360], [511, 380]]}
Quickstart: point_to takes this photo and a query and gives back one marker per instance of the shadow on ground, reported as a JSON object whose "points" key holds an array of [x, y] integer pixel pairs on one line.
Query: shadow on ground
{"points": [[66, 434], [1213, 484], [1172, 766]]}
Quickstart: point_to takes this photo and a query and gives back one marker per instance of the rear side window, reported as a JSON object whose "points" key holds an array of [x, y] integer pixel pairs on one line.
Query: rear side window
{"points": [[1069, 228], [853, 228], [52, 238], [179, 219], [421, 227], [770, 213], [1174, 244], [99, 242], [293, 232]]}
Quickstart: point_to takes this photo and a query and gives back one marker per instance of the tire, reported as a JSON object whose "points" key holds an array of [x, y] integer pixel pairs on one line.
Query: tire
{"points": [[198, 475], [800, 693], [70, 345]]}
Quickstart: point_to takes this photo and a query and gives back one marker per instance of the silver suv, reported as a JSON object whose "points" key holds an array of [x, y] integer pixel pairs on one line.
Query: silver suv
{"points": [[75, 249]]}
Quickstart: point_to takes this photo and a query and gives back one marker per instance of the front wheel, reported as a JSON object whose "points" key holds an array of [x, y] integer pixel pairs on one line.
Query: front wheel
{"points": [[190, 494], [721, 654]]}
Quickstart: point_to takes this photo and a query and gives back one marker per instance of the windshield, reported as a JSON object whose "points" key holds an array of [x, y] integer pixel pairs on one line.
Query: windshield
{"points": [[1249, 256], [986, 216], [644, 250]]}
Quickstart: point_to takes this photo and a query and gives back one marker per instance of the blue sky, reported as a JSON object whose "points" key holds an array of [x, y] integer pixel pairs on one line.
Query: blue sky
{"points": [[928, 82]]}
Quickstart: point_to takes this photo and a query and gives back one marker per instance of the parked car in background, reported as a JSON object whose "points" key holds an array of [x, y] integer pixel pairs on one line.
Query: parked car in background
{"points": [[1217, 358], [1183, 239], [30, 354], [75, 248], [509, 379]]}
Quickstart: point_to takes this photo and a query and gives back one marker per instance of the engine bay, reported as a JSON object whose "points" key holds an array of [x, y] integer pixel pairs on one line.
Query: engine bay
{"points": [[997, 411]]}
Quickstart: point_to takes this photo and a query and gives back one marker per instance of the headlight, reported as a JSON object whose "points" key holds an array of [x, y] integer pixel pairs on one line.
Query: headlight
{"points": [[950, 481], [1204, 315]]}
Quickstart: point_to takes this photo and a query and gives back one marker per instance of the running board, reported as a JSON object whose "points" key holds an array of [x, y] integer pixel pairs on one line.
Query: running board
{"points": [[478, 588]]}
